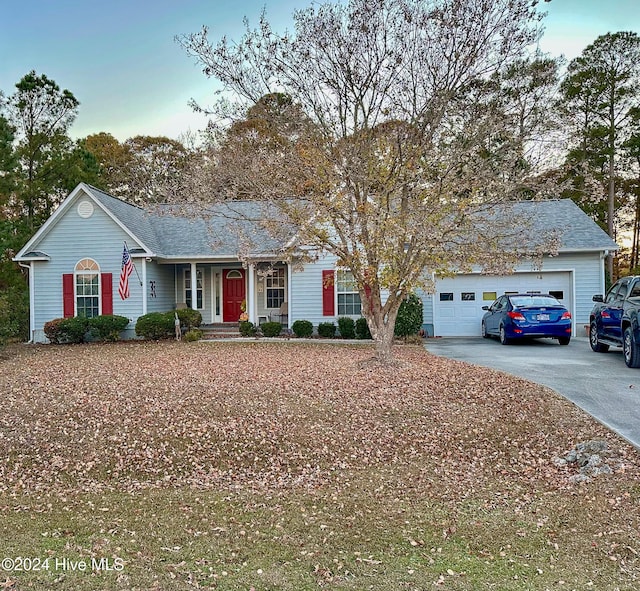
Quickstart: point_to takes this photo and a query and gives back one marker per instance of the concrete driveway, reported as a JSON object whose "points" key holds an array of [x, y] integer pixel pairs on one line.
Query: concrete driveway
{"points": [[599, 383]]}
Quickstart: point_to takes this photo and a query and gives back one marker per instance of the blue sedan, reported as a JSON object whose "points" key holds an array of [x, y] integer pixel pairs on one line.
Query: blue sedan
{"points": [[525, 315]]}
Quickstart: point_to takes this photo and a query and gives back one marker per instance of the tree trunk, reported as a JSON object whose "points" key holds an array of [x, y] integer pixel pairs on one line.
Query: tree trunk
{"points": [[382, 324], [612, 185], [384, 344]]}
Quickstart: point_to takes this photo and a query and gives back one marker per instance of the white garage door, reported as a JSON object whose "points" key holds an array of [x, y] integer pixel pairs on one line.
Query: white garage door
{"points": [[458, 300]]}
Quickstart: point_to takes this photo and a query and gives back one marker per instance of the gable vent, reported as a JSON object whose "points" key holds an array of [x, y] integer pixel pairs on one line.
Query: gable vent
{"points": [[85, 209]]}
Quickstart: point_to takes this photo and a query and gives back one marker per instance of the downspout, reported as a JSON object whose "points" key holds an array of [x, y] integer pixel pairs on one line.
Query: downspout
{"points": [[31, 300]]}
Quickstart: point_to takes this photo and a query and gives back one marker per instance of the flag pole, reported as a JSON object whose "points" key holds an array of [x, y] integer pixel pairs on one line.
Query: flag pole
{"points": [[134, 265]]}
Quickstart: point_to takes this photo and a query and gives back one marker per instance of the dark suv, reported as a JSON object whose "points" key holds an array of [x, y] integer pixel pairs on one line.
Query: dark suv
{"points": [[614, 320]]}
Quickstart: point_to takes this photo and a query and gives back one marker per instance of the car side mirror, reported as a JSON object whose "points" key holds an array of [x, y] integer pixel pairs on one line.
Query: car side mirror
{"points": [[598, 298], [485, 307]]}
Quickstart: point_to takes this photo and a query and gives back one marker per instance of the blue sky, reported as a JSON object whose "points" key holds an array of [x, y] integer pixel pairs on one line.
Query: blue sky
{"points": [[120, 60]]}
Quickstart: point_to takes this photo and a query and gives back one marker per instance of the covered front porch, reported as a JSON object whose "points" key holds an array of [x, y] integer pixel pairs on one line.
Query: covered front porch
{"points": [[224, 291]]}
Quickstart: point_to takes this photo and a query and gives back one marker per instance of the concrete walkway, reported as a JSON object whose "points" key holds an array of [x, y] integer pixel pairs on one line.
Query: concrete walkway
{"points": [[599, 383]]}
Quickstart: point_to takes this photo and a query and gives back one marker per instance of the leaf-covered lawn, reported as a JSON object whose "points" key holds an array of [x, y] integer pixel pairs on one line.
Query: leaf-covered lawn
{"points": [[293, 466]]}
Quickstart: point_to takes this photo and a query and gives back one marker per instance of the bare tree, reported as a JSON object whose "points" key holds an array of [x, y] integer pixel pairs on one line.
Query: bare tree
{"points": [[383, 122]]}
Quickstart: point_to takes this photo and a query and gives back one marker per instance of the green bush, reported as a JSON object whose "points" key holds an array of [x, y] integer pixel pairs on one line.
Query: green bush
{"points": [[302, 328], [192, 335], [362, 329], [14, 314], [74, 330], [67, 330], [189, 318], [52, 330], [347, 327], [327, 330], [271, 329], [248, 329], [409, 320], [107, 328], [156, 325]]}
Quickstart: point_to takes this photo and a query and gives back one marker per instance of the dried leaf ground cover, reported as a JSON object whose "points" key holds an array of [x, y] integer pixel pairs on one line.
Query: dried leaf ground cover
{"points": [[292, 466]]}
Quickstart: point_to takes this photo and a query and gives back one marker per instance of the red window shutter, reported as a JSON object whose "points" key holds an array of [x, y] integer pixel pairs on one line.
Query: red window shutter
{"points": [[68, 295], [328, 293], [107, 293]]}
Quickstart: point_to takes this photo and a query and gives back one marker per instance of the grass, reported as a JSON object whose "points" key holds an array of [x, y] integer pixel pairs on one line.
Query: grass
{"points": [[295, 466]]}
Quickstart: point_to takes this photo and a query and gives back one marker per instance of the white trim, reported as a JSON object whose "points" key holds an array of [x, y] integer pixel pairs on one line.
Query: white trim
{"points": [[144, 286], [193, 271], [570, 271], [285, 294], [289, 309], [66, 204], [251, 293], [335, 292]]}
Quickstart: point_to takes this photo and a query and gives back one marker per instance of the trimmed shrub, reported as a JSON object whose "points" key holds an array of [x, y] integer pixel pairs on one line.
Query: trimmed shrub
{"points": [[156, 325], [52, 330], [409, 319], [107, 328], [271, 329], [327, 330], [189, 318], [302, 328], [347, 327], [192, 335], [248, 329], [362, 329], [67, 330]]}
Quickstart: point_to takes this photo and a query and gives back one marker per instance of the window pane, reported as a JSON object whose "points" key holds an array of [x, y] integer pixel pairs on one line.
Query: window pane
{"points": [[468, 296], [446, 297]]}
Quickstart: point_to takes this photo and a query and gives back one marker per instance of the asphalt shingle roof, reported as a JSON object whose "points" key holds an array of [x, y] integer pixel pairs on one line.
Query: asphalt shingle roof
{"points": [[577, 231], [224, 229]]}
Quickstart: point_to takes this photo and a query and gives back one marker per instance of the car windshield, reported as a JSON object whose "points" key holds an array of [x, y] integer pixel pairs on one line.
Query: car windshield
{"points": [[534, 301]]}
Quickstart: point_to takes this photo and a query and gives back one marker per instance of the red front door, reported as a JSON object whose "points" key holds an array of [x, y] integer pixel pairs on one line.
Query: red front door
{"points": [[233, 294]]}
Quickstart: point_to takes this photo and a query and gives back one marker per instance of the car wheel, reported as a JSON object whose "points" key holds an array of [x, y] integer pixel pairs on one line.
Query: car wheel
{"points": [[485, 334], [596, 345], [630, 349], [564, 340], [503, 336]]}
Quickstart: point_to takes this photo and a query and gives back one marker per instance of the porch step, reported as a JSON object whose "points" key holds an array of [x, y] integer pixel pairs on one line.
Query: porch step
{"points": [[221, 330]]}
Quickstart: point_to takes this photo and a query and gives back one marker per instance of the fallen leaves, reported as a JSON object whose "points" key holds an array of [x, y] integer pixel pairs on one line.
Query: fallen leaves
{"points": [[132, 416]]}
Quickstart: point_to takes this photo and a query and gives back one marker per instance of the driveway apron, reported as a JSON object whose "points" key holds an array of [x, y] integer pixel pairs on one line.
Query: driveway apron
{"points": [[599, 383]]}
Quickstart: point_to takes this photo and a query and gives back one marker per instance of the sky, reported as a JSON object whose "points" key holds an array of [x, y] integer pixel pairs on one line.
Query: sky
{"points": [[121, 61]]}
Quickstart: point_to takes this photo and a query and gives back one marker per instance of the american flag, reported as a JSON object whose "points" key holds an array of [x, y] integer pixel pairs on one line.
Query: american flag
{"points": [[127, 269]]}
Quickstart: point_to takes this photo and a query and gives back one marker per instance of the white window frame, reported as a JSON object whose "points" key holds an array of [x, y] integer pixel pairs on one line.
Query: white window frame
{"points": [[278, 274], [354, 291], [199, 288], [87, 266]]}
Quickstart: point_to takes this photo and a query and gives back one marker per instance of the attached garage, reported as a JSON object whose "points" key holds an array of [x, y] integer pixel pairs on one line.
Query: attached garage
{"points": [[458, 301]]}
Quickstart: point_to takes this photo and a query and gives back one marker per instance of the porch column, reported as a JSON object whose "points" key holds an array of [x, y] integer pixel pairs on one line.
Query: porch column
{"points": [[194, 287], [144, 285], [251, 298], [289, 308]]}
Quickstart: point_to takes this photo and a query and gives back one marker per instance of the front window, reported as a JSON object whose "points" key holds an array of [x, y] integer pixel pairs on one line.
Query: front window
{"points": [[87, 288], [349, 303], [199, 288], [275, 288]]}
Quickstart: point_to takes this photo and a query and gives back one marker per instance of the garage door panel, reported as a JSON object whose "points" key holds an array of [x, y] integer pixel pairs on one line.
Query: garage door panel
{"points": [[462, 317]]}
